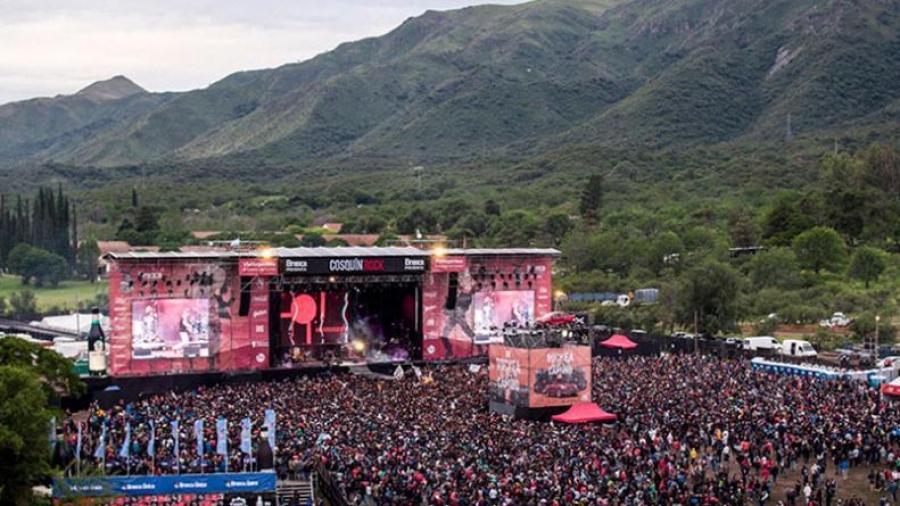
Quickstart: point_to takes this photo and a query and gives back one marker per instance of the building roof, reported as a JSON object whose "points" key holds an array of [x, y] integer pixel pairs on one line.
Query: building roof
{"points": [[349, 251], [325, 252], [118, 247], [477, 252]]}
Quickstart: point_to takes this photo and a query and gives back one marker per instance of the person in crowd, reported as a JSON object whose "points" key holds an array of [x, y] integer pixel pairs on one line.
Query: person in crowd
{"points": [[691, 430]]}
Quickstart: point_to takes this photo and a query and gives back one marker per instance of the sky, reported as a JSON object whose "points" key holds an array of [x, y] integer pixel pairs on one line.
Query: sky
{"points": [[51, 47]]}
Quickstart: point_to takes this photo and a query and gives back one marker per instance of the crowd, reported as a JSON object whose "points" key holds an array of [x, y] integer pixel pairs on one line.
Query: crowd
{"points": [[692, 430]]}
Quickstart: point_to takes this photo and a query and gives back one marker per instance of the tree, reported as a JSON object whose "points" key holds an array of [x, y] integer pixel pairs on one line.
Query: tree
{"points": [[23, 305], [514, 228], [37, 264], [785, 221], [417, 220], [709, 291], [557, 226], [819, 248], [146, 219], [744, 232], [867, 264], [665, 249], [312, 240], [89, 259], [491, 208], [53, 370], [592, 198], [24, 422], [776, 268]]}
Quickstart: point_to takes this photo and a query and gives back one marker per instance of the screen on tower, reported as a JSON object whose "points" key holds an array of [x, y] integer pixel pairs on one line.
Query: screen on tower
{"points": [[170, 328]]}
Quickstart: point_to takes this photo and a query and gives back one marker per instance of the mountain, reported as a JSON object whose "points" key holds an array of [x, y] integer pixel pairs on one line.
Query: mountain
{"points": [[507, 81], [41, 127], [111, 89]]}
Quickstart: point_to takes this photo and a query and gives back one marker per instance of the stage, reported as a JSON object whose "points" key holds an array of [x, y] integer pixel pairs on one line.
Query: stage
{"points": [[266, 310]]}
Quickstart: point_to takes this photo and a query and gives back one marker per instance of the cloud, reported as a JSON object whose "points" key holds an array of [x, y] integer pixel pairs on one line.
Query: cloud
{"points": [[172, 45]]}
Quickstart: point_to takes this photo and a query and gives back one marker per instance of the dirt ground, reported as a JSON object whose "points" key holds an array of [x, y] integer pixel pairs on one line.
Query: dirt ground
{"points": [[856, 485]]}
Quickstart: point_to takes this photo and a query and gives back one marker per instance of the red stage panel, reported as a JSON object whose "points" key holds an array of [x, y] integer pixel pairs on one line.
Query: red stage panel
{"points": [[490, 291], [194, 322]]}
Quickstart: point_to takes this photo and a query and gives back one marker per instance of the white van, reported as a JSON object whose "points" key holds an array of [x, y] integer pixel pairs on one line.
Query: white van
{"points": [[761, 343], [797, 348]]}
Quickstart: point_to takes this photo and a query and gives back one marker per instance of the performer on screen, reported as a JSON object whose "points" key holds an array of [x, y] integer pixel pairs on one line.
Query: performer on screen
{"points": [[458, 316]]}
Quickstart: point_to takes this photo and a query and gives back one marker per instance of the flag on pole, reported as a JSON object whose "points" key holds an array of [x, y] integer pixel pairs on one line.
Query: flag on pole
{"points": [[198, 435], [418, 372], [269, 422], [398, 373], [78, 444], [474, 368], [101, 445], [52, 434], [246, 431], [222, 436], [151, 446], [125, 451], [177, 448]]}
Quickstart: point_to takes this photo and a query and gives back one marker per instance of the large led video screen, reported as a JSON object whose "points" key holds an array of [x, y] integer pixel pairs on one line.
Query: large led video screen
{"points": [[170, 328], [494, 309], [560, 376]]}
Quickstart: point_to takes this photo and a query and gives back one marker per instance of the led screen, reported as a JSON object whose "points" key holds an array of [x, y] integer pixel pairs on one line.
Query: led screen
{"points": [[170, 328], [493, 310]]}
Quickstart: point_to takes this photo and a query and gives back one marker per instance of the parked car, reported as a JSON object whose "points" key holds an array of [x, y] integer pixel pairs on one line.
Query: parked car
{"points": [[556, 318], [836, 320], [891, 361]]}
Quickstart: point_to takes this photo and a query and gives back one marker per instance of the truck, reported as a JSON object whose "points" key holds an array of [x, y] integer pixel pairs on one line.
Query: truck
{"points": [[797, 348], [761, 343]]}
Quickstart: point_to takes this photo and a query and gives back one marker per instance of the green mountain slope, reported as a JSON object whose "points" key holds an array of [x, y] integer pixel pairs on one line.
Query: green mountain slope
{"points": [[522, 80], [38, 127]]}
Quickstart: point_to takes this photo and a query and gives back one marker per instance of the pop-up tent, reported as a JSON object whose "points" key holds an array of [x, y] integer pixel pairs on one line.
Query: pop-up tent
{"points": [[892, 388], [582, 413], [619, 341]]}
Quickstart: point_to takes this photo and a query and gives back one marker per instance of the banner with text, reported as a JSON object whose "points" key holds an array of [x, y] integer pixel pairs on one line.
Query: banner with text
{"points": [[155, 485]]}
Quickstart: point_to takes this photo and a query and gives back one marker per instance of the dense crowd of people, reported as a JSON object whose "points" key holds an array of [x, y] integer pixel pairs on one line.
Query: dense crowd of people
{"points": [[692, 430]]}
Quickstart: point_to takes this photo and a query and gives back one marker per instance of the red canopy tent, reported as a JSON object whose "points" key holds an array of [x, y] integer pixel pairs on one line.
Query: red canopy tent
{"points": [[582, 413], [619, 341]]}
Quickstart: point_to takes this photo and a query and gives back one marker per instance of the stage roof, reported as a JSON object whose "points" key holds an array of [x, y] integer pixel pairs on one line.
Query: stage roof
{"points": [[504, 251], [325, 252]]}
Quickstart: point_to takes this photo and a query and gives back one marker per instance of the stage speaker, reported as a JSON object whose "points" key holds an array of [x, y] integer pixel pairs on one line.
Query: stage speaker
{"points": [[265, 457], [452, 287], [244, 308]]}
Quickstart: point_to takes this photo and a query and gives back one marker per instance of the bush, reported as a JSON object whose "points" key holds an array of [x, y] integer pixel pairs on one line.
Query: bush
{"points": [[803, 314], [38, 265]]}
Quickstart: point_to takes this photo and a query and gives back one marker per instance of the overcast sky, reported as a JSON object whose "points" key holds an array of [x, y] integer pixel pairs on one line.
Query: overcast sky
{"points": [[50, 47]]}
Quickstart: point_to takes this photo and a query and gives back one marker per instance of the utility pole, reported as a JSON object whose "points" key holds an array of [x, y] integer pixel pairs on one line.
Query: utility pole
{"points": [[877, 320], [695, 331]]}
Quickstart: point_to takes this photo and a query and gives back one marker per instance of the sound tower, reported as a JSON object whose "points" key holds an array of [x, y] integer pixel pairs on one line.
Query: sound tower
{"points": [[452, 287], [244, 308]]}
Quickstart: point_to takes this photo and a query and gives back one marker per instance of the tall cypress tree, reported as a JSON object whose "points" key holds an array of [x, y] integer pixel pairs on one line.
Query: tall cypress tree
{"points": [[45, 223]]}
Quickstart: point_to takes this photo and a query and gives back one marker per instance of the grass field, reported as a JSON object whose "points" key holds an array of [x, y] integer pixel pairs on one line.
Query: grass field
{"points": [[65, 296]]}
